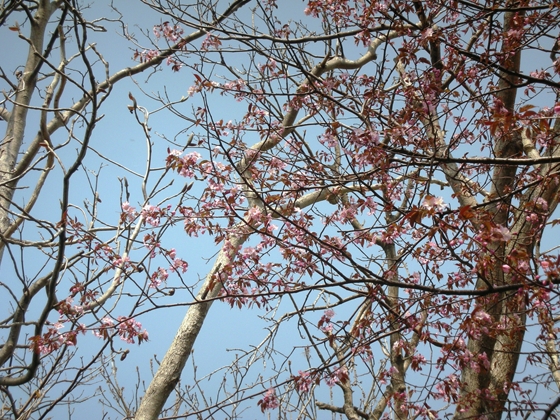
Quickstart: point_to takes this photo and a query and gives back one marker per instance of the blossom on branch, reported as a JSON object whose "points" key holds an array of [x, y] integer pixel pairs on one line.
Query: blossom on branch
{"points": [[269, 401]]}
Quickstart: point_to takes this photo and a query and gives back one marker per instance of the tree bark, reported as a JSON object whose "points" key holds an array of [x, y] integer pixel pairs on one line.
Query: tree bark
{"points": [[15, 130]]}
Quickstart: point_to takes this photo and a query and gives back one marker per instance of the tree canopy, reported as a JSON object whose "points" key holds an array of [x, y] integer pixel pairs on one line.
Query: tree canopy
{"points": [[373, 183]]}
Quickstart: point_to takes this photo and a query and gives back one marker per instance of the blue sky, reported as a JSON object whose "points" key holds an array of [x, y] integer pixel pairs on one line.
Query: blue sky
{"points": [[227, 332]]}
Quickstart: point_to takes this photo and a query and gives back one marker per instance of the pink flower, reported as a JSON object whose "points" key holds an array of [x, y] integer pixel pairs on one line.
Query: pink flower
{"points": [[124, 263], [339, 375], [269, 401], [303, 381], [151, 215], [151, 243], [210, 42], [129, 211], [255, 214], [158, 277], [523, 266], [367, 138], [436, 203], [187, 163], [129, 329], [104, 331], [482, 317], [172, 33], [392, 370], [146, 55], [325, 322], [174, 153], [532, 218], [178, 263]]}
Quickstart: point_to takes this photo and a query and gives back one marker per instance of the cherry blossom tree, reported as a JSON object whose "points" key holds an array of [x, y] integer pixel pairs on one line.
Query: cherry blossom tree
{"points": [[405, 173], [380, 179]]}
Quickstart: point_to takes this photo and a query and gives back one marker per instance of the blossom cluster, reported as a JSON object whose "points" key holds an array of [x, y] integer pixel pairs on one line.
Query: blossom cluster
{"points": [[269, 401], [53, 338], [184, 165], [128, 329]]}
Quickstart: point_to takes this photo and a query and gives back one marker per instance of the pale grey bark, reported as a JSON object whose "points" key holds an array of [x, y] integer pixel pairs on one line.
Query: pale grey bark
{"points": [[15, 131]]}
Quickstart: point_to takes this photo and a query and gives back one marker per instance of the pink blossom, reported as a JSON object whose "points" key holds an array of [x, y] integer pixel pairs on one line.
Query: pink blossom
{"points": [[270, 65], [151, 215], [129, 329], [156, 31], [339, 375], [459, 343], [104, 330], [532, 218], [254, 214], [417, 361], [187, 163], [178, 263], [122, 262], [448, 389], [53, 339], [151, 243], [275, 165], [328, 139], [325, 321], [483, 360], [174, 153], [482, 317], [146, 55], [235, 85], [303, 381], [523, 266], [269, 401], [436, 203], [210, 42], [367, 138], [329, 313], [158, 276], [250, 252], [427, 33], [327, 328], [392, 370], [129, 211], [171, 33]]}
